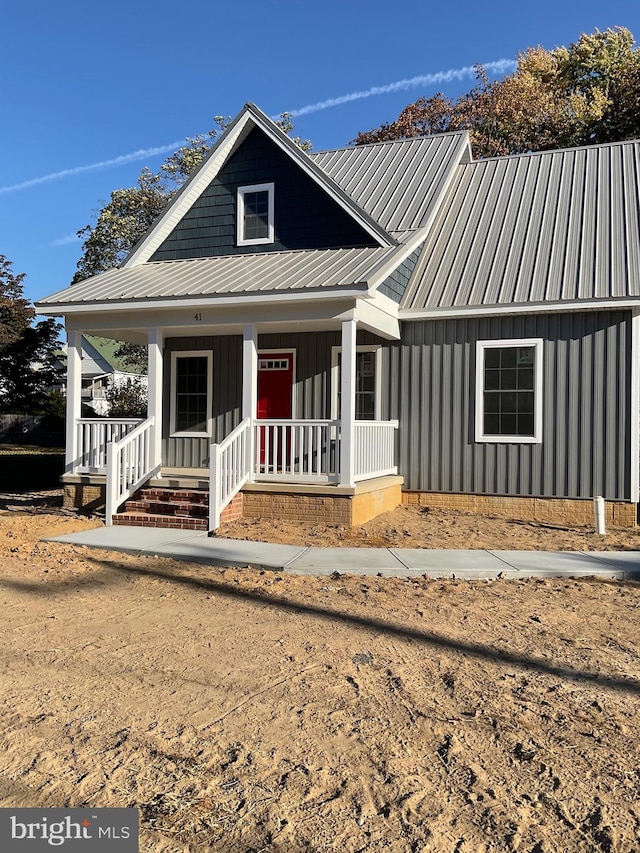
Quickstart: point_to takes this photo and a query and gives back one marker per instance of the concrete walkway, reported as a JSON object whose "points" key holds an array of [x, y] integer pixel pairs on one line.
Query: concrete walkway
{"points": [[386, 562]]}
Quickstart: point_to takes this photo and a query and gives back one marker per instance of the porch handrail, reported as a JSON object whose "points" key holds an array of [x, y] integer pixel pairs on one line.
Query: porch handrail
{"points": [[375, 449], [297, 450], [229, 470], [129, 465], [93, 435]]}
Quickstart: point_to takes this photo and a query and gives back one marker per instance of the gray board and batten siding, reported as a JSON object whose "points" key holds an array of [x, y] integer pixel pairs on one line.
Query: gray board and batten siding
{"points": [[586, 397], [305, 216], [312, 385], [428, 384]]}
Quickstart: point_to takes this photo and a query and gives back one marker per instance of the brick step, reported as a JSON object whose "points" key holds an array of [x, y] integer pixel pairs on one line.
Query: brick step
{"points": [[144, 519], [157, 507], [167, 495]]}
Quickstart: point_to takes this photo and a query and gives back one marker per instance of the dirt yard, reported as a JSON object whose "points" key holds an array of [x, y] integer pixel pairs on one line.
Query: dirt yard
{"points": [[244, 711]]}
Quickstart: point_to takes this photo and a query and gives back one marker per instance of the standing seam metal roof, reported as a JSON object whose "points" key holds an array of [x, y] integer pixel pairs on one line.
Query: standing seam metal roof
{"points": [[552, 226], [231, 274], [396, 183]]}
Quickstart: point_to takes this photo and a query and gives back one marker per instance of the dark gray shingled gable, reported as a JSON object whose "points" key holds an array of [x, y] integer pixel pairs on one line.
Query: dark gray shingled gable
{"points": [[395, 286], [305, 216]]}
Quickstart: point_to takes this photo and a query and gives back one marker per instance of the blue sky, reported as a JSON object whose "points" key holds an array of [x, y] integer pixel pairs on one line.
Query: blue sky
{"points": [[83, 84]]}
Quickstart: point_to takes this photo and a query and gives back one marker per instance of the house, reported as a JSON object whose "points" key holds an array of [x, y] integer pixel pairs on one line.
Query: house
{"points": [[101, 369], [332, 334]]}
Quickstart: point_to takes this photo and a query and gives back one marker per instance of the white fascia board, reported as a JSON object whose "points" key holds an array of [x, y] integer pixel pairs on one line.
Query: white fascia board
{"points": [[188, 196], [320, 177], [194, 188], [521, 308], [211, 316], [195, 303]]}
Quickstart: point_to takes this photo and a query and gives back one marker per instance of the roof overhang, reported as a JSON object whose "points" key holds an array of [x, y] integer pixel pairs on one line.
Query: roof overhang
{"points": [[569, 305]]}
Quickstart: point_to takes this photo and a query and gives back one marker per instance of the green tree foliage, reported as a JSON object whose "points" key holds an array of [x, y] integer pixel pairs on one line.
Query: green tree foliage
{"points": [[16, 313], [127, 399], [580, 95], [29, 366]]}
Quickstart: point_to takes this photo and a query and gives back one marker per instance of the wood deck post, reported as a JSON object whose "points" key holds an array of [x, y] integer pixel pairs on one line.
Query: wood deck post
{"points": [[348, 403], [250, 389], [74, 390], [154, 397]]}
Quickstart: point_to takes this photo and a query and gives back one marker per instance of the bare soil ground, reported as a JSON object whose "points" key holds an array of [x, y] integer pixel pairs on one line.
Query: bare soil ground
{"points": [[247, 711], [415, 527]]}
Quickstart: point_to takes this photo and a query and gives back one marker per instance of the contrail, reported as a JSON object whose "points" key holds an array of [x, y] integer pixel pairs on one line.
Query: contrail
{"points": [[500, 66], [123, 159]]}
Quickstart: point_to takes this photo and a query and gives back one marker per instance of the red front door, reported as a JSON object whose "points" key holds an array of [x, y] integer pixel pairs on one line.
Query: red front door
{"points": [[275, 394]]}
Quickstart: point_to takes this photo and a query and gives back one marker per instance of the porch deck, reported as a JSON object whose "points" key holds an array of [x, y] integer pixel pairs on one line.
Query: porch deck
{"points": [[279, 468]]}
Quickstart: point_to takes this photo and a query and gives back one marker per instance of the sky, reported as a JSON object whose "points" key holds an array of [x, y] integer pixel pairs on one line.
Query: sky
{"points": [[92, 92]]}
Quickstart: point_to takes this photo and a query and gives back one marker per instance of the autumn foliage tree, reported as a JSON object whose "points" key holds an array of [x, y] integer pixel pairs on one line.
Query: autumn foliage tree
{"points": [[580, 95]]}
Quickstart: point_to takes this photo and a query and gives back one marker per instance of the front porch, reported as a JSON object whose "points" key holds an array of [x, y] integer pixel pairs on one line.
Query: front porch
{"points": [[210, 417], [295, 473]]}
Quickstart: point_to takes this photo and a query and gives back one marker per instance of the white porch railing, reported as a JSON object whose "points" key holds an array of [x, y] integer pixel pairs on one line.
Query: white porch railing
{"points": [[297, 451], [129, 465], [229, 469], [93, 435], [375, 449]]}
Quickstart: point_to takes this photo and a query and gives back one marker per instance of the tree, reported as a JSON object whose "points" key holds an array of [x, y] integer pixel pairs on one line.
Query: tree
{"points": [[580, 95], [127, 399], [15, 311], [29, 366]]}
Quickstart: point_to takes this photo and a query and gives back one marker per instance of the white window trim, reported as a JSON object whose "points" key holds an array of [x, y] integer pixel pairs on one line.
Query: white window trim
{"points": [[172, 416], [481, 346], [253, 188], [335, 378]]}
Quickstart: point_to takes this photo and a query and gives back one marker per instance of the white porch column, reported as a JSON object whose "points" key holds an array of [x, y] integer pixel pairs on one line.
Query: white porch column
{"points": [[154, 394], [348, 403], [74, 389], [250, 388]]}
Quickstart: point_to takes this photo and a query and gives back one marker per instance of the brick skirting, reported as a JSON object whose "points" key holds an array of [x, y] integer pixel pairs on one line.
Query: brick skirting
{"points": [[88, 497], [234, 510], [344, 510], [561, 511]]}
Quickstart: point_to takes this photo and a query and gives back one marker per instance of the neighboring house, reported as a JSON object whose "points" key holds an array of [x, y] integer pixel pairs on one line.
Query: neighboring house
{"points": [[332, 334], [101, 369]]}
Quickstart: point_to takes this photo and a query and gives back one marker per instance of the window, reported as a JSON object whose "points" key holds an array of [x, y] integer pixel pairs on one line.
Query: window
{"points": [[255, 215], [191, 394], [509, 391], [367, 382]]}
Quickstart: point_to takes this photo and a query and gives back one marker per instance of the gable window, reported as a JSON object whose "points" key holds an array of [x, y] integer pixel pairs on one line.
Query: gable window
{"points": [[191, 403], [255, 215], [368, 382], [509, 391]]}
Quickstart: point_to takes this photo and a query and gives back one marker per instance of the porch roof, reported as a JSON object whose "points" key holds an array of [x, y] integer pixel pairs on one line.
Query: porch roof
{"points": [[322, 270]]}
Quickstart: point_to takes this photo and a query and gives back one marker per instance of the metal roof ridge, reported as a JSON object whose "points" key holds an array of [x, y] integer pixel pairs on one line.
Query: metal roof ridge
{"points": [[550, 151], [388, 142]]}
